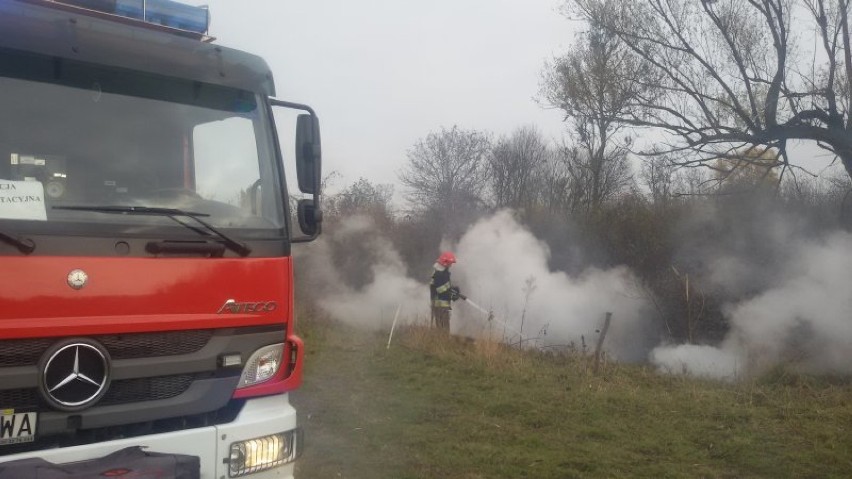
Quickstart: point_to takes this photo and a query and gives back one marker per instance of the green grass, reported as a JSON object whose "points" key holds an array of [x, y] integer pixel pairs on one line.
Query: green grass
{"points": [[438, 407]]}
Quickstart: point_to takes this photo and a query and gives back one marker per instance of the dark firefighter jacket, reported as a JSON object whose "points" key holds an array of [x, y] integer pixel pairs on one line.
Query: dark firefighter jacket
{"points": [[439, 287]]}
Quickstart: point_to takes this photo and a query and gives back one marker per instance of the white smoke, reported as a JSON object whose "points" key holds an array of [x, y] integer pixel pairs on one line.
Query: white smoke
{"points": [[698, 360], [802, 319], [504, 268], [805, 320], [372, 305]]}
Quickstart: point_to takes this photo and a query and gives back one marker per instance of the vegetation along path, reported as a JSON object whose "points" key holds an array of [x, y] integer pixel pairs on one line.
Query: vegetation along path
{"points": [[432, 407]]}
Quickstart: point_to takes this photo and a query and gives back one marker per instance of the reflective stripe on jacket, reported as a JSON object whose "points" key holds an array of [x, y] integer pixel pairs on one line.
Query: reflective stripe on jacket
{"points": [[439, 287]]}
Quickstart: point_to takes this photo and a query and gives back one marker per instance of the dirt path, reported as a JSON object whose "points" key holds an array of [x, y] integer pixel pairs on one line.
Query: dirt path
{"points": [[337, 409]]}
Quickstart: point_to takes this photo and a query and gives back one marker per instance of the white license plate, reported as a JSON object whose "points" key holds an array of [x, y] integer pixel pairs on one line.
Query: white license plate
{"points": [[16, 428]]}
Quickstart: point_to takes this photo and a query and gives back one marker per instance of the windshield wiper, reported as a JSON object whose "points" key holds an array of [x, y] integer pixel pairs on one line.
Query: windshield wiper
{"points": [[25, 245], [172, 213]]}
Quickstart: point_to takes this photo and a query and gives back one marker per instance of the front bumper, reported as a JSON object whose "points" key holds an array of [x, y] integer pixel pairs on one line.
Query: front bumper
{"points": [[259, 417]]}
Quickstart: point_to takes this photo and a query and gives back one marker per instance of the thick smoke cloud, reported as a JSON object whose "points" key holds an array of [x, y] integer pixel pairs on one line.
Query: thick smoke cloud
{"points": [[504, 268], [357, 277], [802, 321], [799, 315]]}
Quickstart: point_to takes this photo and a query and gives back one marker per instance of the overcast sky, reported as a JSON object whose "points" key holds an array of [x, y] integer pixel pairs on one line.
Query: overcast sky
{"points": [[383, 73]]}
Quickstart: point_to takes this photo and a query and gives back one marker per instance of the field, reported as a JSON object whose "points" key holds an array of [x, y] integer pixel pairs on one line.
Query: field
{"points": [[433, 406]]}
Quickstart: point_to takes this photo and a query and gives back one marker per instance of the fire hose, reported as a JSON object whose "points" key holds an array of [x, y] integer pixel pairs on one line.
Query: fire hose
{"points": [[456, 294]]}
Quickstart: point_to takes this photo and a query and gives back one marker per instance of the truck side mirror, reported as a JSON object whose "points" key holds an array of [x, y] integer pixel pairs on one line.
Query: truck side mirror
{"points": [[308, 170], [308, 153], [309, 217]]}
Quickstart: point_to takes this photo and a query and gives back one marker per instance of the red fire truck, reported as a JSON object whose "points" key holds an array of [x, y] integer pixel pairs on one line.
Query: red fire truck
{"points": [[146, 306]]}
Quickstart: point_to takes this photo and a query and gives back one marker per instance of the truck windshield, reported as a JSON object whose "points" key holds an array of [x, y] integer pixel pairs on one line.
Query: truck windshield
{"points": [[82, 135]]}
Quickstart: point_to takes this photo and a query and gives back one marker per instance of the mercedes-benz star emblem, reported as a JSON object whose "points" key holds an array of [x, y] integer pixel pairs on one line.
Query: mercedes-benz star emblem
{"points": [[77, 278], [75, 375]]}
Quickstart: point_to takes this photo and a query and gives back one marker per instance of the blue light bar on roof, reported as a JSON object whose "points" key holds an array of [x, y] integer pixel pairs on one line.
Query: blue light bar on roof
{"points": [[166, 12]]}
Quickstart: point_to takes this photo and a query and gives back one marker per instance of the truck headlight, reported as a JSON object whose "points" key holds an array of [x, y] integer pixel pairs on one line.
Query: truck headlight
{"points": [[262, 453], [262, 365]]}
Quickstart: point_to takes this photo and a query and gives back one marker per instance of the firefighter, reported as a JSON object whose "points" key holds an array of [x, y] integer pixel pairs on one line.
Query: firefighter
{"points": [[442, 292]]}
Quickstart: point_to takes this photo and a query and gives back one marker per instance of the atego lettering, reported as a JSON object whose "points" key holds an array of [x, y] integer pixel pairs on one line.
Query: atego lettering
{"points": [[233, 307]]}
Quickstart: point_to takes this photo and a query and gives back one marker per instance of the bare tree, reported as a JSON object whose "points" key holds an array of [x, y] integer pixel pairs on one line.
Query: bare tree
{"points": [[728, 75], [555, 184], [693, 181], [363, 197], [593, 181], [446, 171], [516, 165], [596, 83], [658, 175]]}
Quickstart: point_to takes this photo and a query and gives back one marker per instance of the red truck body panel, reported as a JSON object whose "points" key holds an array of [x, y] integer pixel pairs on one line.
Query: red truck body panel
{"points": [[125, 295], [139, 295]]}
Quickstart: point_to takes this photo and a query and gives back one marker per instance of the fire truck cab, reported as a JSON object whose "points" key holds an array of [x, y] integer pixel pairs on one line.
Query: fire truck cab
{"points": [[145, 237]]}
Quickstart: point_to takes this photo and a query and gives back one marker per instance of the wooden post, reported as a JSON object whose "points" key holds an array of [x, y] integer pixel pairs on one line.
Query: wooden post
{"points": [[599, 346]]}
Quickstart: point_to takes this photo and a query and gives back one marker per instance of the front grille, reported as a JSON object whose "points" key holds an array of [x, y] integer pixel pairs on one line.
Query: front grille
{"points": [[18, 398], [26, 352], [147, 345], [146, 389], [22, 352], [119, 392]]}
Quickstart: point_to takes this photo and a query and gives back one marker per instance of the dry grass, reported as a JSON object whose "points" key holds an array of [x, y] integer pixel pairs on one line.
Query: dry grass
{"points": [[487, 352], [439, 406]]}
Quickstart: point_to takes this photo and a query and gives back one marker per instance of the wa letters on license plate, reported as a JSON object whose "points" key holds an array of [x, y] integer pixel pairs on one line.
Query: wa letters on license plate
{"points": [[17, 427]]}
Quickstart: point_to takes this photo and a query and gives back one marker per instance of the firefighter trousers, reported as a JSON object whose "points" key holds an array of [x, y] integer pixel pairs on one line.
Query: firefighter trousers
{"points": [[441, 317]]}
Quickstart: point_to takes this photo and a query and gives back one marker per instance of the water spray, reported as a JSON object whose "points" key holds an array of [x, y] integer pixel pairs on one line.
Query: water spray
{"points": [[480, 308], [489, 313]]}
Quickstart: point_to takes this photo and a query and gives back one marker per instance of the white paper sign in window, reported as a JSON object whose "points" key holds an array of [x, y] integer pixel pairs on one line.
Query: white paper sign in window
{"points": [[22, 200]]}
